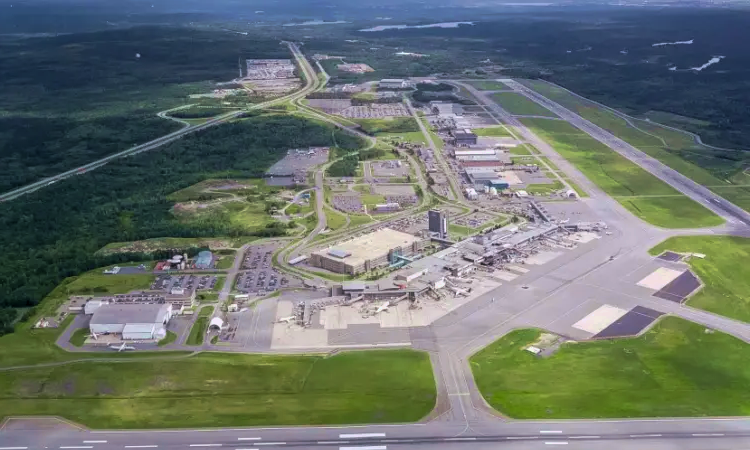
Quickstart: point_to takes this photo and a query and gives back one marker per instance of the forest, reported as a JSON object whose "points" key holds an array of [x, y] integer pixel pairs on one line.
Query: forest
{"points": [[53, 233], [70, 99]]}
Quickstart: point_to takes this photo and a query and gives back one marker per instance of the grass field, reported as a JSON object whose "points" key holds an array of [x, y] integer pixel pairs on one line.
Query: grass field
{"points": [[499, 130], [225, 262], [198, 331], [640, 192], [724, 272], [517, 104], [168, 339], [356, 220], [150, 245], [674, 370], [487, 85], [334, 220], [215, 389], [544, 188], [676, 149], [95, 282], [78, 338], [460, 231]]}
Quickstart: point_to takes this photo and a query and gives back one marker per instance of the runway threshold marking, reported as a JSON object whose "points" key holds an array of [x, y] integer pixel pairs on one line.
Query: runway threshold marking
{"points": [[361, 435]]}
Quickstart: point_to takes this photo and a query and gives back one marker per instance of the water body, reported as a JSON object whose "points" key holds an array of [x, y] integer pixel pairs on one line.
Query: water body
{"points": [[662, 44], [430, 25], [314, 22]]}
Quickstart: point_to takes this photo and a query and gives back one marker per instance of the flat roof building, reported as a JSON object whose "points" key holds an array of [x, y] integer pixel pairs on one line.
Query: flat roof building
{"points": [[393, 83], [133, 321], [464, 137], [204, 260], [365, 253]]}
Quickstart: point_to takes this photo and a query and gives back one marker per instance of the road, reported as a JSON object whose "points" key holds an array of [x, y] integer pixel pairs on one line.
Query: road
{"points": [[690, 188], [49, 181], [547, 297]]}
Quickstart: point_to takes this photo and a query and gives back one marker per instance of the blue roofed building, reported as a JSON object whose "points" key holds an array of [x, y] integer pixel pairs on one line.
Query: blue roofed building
{"points": [[204, 260]]}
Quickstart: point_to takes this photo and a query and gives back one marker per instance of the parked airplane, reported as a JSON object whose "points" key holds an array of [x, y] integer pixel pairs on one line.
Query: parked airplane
{"points": [[383, 307], [93, 335], [122, 347]]}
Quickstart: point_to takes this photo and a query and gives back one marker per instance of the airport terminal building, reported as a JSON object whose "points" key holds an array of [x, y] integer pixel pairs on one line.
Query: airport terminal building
{"points": [[364, 253]]}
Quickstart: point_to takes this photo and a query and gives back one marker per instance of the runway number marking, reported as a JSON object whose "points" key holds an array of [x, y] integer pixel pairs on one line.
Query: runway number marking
{"points": [[361, 435]]}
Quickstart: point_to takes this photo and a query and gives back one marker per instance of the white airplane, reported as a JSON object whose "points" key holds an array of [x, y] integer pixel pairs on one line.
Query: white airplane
{"points": [[121, 347], [93, 335], [383, 307], [289, 319]]}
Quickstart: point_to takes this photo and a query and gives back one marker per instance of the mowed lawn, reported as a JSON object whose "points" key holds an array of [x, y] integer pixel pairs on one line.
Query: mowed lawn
{"points": [[488, 85], [517, 104], [641, 193], [674, 370], [493, 131], [216, 389], [724, 272]]}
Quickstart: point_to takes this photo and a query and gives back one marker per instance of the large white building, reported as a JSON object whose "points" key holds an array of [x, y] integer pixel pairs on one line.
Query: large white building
{"points": [[393, 83], [133, 321]]}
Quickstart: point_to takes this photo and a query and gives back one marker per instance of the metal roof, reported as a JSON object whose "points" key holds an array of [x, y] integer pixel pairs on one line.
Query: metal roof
{"points": [[139, 328], [353, 285], [338, 253], [128, 314]]}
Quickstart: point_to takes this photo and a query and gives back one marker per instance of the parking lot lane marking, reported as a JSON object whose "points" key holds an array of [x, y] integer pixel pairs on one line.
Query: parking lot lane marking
{"points": [[644, 435], [94, 442], [371, 447], [585, 437], [551, 431], [361, 435], [248, 439], [556, 443]]}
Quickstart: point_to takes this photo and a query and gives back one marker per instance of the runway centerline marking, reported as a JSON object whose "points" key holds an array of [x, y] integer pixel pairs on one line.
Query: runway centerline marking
{"points": [[361, 435], [556, 443], [707, 434], [551, 431], [331, 442], [585, 437], [205, 445], [644, 435], [77, 446], [371, 447], [460, 439], [13, 448], [248, 439], [270, 443], [141, 446], [94, 442], [516, 438]]}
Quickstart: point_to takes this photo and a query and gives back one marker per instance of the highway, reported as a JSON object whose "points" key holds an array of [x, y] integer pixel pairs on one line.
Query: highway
{"points": [[49, 181], [544, 298]]}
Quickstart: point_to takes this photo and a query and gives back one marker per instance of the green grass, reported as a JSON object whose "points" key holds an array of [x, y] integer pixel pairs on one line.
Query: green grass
{"points": [[356, 220], [414, 137], [242, 390], [674, 370], [544, 188], [724, 272], [460, 231], [620, 178], [499, 130], [487, 85], [517, 104], [150, 245], [198, 331], [372, 199], [95, 282], [225, 262], [334, 220], [78, 338], [676, 149], [549, 162], [395, 125], [168, 339]]}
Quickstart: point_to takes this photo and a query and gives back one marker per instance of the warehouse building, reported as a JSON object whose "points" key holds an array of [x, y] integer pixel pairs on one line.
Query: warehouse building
{"points": [[446, 109], [464, 137], [393, 83], [365, 253], [132, 322]]}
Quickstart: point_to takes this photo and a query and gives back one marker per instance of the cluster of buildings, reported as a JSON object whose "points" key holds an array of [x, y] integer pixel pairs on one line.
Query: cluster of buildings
{"points": [[394, 83], [269, 69], [204, 260]]}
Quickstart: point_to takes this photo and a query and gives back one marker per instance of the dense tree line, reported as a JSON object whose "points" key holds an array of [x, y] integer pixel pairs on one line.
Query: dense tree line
{"points": [[197, 113], [54, 233], [69, 99]]}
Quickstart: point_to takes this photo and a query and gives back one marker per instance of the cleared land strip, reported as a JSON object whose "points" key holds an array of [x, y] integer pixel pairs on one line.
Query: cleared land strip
{"points": [[679, 150], [640, 192]]}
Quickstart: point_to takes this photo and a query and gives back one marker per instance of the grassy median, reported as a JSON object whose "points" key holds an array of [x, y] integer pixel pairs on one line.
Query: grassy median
{"points": [[676, 369], [216, 389], [724, 272]]}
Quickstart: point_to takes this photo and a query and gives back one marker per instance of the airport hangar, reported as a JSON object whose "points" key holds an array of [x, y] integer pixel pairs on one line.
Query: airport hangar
{"points": [[132, 322], [370, 251]]}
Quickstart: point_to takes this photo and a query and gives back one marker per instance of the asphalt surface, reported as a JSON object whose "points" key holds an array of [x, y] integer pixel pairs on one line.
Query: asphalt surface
{"points": [[552, 296]]}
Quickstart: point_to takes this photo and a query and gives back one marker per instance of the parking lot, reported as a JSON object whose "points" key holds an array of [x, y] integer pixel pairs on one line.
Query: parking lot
{"points": [[188, 282], [395, 168], [258, 275]]}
